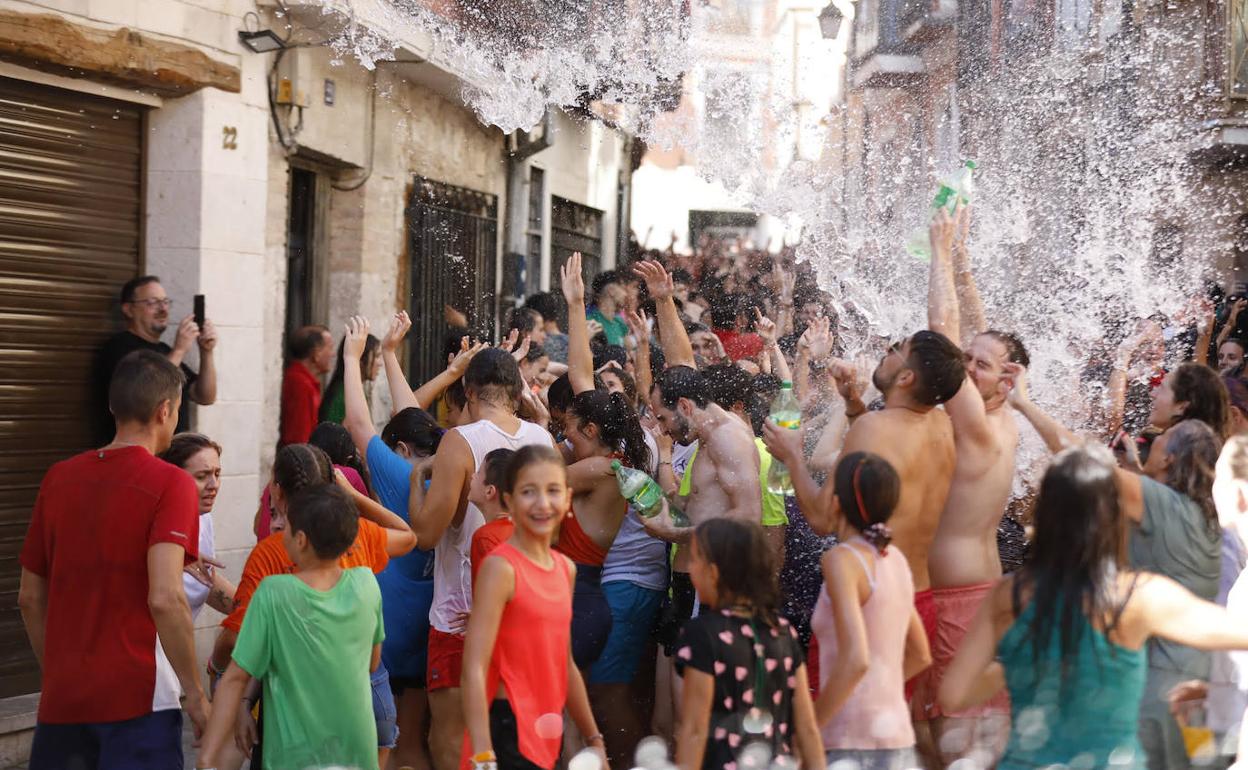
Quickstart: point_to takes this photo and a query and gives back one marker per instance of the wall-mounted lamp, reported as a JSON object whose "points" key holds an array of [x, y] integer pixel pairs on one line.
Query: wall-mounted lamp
{"points": [[262, 41], [830, 20]]}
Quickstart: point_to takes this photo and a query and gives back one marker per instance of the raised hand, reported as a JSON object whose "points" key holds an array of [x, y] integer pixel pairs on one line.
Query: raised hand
{"points": [[820, 340], [356, 338], [467, 349], [593, 328], [636, 320], [509, 344], [571, 281], [765, 327], [399, 326], [523, 350], [657, 279]]}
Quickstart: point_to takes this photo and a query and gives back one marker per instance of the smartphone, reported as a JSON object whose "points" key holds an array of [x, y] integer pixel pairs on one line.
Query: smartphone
{"points": [[199, 311]]}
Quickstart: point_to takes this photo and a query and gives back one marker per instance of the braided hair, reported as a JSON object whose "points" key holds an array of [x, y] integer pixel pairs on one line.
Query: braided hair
{"points": [[298, 466], [867, 488]]}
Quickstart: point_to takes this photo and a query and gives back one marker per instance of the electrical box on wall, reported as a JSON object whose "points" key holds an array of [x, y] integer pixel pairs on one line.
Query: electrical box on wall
{"points": [[294, 79]]}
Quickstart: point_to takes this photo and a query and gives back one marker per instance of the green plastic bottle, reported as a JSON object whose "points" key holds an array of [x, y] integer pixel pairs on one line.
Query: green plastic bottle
{"points": [[644, 493], [960, 187], [785, 413]]}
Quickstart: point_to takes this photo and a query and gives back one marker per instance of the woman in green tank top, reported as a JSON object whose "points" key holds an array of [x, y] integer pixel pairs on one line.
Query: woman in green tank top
{"points": [[1066, 634]]}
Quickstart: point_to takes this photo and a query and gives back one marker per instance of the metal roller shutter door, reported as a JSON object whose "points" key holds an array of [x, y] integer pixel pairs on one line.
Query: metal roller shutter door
{"points": [[70, 221]]}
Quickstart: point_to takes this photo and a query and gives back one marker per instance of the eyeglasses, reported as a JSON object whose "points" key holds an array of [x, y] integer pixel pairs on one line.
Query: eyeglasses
{"points": [[164, 302]]}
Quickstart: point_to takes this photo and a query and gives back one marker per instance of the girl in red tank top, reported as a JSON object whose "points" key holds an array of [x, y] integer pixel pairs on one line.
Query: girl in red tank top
{"points": [[518, 675]]}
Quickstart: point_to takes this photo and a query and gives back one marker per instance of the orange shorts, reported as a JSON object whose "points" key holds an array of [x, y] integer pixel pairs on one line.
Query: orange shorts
{"points": [[955, 610], [446, 659]]}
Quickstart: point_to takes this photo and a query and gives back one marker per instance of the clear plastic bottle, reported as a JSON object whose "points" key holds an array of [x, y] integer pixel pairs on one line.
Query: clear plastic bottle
{"points": [[958, 188], [785, 413]]}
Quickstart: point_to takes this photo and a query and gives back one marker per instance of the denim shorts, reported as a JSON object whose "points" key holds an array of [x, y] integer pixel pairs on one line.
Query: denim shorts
{"points": [[384, 711], [634, 611]]}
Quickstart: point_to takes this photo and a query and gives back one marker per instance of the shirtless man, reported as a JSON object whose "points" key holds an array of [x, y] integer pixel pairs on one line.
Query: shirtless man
{"points": [[915, 376], [963, 562], [724, 476]]}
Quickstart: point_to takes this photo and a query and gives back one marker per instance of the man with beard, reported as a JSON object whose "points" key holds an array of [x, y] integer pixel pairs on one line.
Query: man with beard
{"points": [[723, 476], [963, 562], [915, 437], [146, 309]]}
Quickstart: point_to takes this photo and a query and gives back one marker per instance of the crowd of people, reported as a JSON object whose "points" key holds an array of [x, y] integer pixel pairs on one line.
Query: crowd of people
{"points": [[470, 587]]}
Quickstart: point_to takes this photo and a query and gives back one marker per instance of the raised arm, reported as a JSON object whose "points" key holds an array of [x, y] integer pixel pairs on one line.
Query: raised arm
{"points": [[641, 361], [1172, 612], [970, 305], [767, 329], [400, 540], [943, 314], [428, 393], [358, 420], [1228, 328], [580, 359], [401, 396], [1055, 436], [677, 350]]}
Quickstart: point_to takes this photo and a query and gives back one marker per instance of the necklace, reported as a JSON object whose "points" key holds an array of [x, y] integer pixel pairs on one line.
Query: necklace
{"points": [[115, 445]]}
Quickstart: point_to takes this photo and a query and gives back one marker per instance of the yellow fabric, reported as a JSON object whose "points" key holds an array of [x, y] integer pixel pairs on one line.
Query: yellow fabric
{"points": [[774, 514]]}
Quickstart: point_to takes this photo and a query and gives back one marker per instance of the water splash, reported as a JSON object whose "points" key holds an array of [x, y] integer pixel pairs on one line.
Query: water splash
{"points": [[1084, 158]]}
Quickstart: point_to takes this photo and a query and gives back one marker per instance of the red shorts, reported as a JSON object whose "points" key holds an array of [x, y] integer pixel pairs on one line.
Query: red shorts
{"points": [[956, 608], [446, 659], [925, 605]]}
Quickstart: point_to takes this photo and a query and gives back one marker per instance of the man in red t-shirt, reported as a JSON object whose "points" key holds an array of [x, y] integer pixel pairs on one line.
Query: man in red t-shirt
{"points": [[311, 350], [101, 588]]}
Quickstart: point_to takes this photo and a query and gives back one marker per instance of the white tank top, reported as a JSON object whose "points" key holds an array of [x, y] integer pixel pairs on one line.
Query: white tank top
{"points": [[452, 560]]}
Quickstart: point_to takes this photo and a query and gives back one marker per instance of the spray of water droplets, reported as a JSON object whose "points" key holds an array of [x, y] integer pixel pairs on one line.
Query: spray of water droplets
{"points": [[1083, 147]]}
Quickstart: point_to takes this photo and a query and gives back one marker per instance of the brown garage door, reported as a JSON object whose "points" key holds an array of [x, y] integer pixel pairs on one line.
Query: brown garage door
{"points": [[70, 192]]}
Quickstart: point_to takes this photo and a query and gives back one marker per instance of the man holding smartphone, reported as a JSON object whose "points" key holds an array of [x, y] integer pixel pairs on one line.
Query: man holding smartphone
{"points": [[146, 308]]}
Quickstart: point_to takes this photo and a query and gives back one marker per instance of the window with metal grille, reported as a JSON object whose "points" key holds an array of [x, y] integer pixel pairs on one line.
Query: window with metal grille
{"points": [[453, 245], [574, 227]]}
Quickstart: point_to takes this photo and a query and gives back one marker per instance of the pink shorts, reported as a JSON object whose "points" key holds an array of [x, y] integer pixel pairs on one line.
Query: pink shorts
{"points": [[955, 610]]}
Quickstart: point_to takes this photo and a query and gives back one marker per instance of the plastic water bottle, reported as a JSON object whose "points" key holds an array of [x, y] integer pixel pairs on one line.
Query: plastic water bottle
{"points": [[638, 489], [958, 188], [785, 413], [644, 493]]}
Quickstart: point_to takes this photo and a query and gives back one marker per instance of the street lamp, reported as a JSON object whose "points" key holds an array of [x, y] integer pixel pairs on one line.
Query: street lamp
{"points": [[830, 20], [262, 41]]}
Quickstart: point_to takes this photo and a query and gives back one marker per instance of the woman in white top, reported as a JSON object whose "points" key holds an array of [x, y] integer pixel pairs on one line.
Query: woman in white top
{"points": [[200, 456]]}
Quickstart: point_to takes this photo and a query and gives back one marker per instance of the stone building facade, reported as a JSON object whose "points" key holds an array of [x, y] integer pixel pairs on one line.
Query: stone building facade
{"points": [[143, 137]]}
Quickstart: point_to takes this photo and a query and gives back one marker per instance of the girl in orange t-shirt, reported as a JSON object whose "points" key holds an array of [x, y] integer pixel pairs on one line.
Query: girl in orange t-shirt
{"points": [[514, 697]]}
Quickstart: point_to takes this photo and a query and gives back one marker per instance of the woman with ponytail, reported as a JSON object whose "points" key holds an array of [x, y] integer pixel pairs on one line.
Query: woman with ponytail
{"points": [[601, 428], [871, 639]]}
